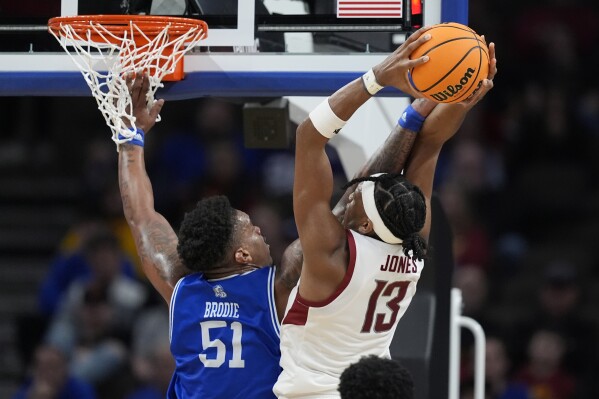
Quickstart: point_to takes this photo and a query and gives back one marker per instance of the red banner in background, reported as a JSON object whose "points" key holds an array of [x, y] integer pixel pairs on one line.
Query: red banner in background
{"points": [[369, 9]]}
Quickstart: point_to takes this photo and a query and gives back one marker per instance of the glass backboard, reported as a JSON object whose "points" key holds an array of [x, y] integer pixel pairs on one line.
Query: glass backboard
{"points": [[262, 48]]}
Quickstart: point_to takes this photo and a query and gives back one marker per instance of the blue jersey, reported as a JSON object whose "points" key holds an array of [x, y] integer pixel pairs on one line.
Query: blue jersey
{"points": [[225, 337]]}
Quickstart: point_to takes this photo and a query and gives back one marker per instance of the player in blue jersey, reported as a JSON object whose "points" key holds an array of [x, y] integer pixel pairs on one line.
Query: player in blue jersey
{"points": [[217, 277]]}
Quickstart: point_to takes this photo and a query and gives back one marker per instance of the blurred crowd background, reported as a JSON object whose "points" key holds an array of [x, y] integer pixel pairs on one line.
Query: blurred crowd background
{"points": [[519, 184]]}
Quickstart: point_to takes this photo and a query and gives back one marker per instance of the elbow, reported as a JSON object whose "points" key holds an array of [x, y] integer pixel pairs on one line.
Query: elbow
{"points": [[134, 225], [131, 216], [306, 136], [301, 132], [137, 213], [136, 220]]}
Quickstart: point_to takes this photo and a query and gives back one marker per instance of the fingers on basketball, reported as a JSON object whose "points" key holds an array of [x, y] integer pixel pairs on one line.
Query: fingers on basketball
{"points": [[417, 35], [412, 44], [486, 85], [492, 62], [407, 45], [418, 61]]}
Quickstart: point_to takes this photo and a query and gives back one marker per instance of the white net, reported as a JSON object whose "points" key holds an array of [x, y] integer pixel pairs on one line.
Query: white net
{"points": [[106, 63]]}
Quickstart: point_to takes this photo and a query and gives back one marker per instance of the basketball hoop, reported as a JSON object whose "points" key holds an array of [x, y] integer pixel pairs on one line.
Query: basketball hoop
{"points": [[107, 48]]}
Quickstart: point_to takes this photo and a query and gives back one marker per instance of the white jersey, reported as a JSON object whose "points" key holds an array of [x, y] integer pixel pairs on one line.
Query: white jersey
{"points": [[320, 339]]}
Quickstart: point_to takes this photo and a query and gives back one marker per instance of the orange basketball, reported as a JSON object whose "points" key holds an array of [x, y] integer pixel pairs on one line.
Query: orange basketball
{"points": [[458, 63]]}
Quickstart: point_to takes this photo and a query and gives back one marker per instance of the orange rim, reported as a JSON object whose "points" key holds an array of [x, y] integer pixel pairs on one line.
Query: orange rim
{"points": [[150, 25]]}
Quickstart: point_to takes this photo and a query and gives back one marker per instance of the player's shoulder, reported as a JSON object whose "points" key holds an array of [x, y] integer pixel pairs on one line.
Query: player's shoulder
{"points": [[190, 278]]}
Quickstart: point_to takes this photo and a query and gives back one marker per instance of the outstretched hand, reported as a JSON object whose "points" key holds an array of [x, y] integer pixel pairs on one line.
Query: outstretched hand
{"points": [[145, 115], [393, 71], [487, 84]]}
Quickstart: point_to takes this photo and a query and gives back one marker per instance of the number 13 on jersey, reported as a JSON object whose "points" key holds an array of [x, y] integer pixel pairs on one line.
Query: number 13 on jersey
{"points": [[222, 348], [396, 291]]}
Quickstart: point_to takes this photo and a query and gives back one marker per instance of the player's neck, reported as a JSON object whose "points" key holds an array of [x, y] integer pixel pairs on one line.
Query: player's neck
{"points": [[230, 270]]}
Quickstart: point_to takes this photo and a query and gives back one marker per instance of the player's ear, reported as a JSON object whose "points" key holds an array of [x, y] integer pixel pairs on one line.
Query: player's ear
{"points": [[365, 227], [243, 256]]}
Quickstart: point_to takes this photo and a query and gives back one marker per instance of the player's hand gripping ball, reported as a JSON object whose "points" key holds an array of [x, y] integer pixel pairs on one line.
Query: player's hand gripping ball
{"points": [[458, 63]]}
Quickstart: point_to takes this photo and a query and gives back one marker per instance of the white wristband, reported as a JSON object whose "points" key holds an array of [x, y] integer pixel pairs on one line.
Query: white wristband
{"points": [[370, 83], [325, 121]]}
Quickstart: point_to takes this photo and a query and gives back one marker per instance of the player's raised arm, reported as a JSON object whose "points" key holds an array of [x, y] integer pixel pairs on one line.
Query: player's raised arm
{"points": [[392, 155], [155, 239], [321, 234], [440, 126]]}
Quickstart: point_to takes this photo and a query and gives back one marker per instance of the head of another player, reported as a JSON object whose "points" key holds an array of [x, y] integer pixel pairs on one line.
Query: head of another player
{"points": [[389, 207], [376, 378], [214, 235]]}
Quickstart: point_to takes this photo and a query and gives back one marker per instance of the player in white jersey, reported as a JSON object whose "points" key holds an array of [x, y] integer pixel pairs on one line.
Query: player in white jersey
{"points": [[361, 262]]}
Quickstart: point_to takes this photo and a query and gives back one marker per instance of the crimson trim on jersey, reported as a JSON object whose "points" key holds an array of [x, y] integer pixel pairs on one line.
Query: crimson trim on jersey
{"points": [[298, 313]]}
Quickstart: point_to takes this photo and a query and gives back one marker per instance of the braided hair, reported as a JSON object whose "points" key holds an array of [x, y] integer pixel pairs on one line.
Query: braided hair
{"points": [[206, 234], [402, 208]]}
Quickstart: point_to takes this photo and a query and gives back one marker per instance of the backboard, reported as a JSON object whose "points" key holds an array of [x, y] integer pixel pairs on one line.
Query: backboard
{"points": [[266, 48]]}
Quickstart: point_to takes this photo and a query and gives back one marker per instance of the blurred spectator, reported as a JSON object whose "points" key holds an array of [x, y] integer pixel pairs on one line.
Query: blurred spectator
{"points": [[99, 170], [470, 167], [205, 158], [50, 378], [179, 162], [95, 316], [152, 362], [559, 300], [101, 195], [470, 239], [473, 283], [467, 390], [225, 174], [543, 373], [498, 366], [376, 377], [545, 116], [74, 265]]}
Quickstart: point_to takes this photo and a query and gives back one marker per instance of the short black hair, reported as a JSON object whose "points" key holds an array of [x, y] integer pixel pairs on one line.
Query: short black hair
{"points": [[373, 377], [402, 207], [206, 234]]}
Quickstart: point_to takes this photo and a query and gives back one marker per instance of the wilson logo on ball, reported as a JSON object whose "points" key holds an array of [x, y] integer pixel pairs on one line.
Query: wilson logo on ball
{"points": [[452, 90]]}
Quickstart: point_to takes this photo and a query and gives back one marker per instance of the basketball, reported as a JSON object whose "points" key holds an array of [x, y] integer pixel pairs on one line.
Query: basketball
{"points": [[458, 63]]}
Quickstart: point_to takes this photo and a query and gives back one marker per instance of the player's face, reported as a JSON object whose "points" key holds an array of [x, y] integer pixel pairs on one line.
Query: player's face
{"points": [[251, 238], [354, 211]]}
